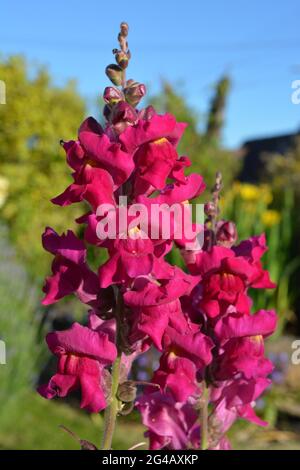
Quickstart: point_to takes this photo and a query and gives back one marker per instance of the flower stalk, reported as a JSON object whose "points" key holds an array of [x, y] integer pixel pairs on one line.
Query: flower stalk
{"points": [[204, 418], [111, 412]]}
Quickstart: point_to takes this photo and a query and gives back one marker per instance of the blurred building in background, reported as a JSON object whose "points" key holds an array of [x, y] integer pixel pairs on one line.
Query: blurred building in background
{"points": [[254, 154]]}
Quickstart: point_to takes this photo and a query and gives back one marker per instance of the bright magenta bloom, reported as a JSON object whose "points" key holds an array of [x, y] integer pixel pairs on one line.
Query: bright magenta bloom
{"points": [[152, 142], [102, 150], [236, 325], [82, 354], [226, 277], [91, 184], [70, 272], [185, 355], [170, 425]]}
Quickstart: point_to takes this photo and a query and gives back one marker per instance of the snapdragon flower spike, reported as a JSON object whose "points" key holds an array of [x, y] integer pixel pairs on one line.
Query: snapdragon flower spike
{"points": [[198, 320], [151, 287], [236, 374], [239, 370]]}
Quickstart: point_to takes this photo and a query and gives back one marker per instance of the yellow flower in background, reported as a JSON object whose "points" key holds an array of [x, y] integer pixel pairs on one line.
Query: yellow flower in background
{"points": [[4, 184], [252, 193], [249, 192], [270, 217]]}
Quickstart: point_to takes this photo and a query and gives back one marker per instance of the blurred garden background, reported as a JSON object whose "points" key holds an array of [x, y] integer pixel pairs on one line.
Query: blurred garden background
{"points": [[260, 168]]}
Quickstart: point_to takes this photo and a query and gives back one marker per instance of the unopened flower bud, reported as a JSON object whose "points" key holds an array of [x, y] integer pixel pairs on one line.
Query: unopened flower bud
{"points": [[134, 92], [112, 95], [126, 409], [107, 112], [127, 391], [115, 74], [122, 111], [124, 28], [122, 59], [226, 234], [209, 209], [147, 113], [84, 444], [87, 445]]}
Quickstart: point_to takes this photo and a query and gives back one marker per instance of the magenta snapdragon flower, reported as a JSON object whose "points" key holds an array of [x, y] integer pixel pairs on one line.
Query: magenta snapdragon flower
{"points": [[82, 355]]}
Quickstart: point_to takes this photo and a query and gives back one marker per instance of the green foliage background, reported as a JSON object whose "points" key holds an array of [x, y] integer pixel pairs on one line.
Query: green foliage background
{"points": [[37, 115]]}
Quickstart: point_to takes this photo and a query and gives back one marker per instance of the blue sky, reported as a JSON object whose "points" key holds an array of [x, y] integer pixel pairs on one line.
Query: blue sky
{"points": [[188, 42]]}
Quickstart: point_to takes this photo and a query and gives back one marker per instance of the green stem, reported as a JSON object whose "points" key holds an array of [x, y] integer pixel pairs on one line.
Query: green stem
{"points": [[204, 418], [111, 411]]}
